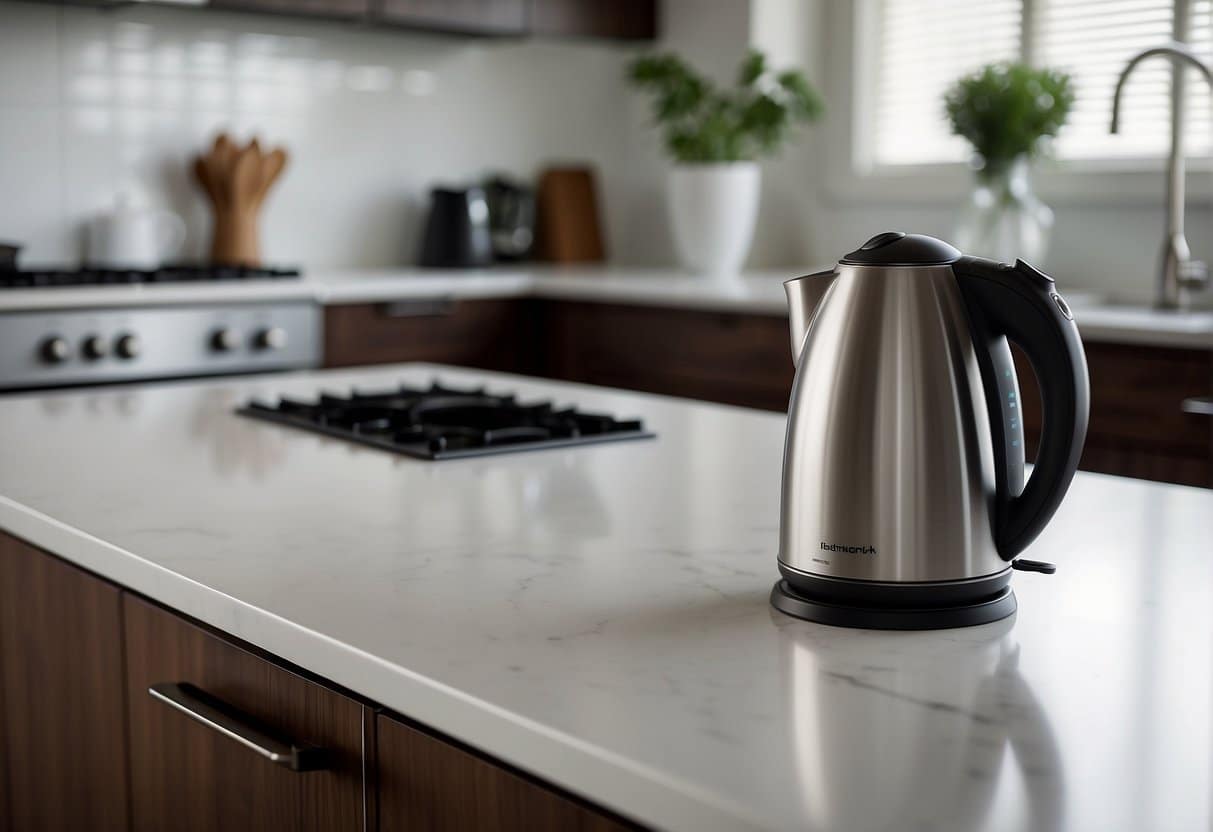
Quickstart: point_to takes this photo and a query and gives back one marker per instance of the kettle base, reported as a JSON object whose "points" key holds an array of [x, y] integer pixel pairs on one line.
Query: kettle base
{"points": [[791, 602]]}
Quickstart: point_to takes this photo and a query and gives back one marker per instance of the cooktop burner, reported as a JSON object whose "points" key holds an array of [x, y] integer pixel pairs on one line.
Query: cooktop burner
{"points": [[445, 423], [37, 278]]}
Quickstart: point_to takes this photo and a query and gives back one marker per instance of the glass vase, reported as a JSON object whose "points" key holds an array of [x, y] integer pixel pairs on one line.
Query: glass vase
{"points": [[1003, 218]]}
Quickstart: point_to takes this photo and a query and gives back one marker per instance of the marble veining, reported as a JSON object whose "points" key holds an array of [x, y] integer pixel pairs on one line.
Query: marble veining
{"points": [[599, 616]]}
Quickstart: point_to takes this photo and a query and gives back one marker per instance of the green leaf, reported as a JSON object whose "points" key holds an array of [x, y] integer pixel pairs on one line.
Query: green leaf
{"points": [[752, 67], [1005, 109], [702, 123]]}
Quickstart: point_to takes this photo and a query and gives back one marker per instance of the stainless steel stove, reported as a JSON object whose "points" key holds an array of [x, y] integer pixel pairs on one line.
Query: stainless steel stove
{"points": [[14, 278], [58, 344]]}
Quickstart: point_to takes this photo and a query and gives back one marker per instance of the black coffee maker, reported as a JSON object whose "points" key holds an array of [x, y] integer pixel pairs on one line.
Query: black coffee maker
{"points": [[457, 232]]}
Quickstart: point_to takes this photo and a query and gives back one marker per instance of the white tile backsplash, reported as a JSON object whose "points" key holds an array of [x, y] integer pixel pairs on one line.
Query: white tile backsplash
{"points": [[93, 101]]}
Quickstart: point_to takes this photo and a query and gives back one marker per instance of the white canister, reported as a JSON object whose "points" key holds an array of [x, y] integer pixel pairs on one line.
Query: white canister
{"points": [[130, 237]]}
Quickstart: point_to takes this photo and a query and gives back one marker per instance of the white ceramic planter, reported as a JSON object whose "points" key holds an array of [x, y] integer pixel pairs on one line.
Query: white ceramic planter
{"points": [[713, 208]]}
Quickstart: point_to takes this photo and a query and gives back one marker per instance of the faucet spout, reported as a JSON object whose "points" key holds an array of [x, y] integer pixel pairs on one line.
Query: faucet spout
{"points": [[804, 293], [1174, 50], [1178, 271]]}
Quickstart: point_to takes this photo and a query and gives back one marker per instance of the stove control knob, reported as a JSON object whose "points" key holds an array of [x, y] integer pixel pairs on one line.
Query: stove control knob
{"points": [[127, 346], [95, 347], [55, 350], [224, 340], [270, 338]]}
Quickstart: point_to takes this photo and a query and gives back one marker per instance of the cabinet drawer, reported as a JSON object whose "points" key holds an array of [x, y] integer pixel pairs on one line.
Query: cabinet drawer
{"points": [[716, 356], [188, 775], [427, 783], [491, 334], [1138, 427], [1137, 394]]}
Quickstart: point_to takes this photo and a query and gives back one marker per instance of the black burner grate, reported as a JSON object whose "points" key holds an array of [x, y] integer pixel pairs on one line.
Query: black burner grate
{"points": [[444, 423], [37, 278]]}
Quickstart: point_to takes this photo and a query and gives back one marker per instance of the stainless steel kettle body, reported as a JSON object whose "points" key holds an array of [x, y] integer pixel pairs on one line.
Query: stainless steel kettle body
{"points": [[903, 483]]}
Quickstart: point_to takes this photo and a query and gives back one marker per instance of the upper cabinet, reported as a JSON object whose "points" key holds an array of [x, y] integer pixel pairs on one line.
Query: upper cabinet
{"points": [[474, 17], [617, 20], [632, 20], [338, 9]]}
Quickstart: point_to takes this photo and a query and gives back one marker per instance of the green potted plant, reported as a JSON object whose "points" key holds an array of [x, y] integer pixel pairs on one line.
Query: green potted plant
{"points": [[715, 137], [1007, 112]]}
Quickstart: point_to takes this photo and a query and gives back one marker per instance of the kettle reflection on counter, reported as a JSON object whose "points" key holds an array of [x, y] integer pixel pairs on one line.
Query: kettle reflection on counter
{"points": [[898, 731]]}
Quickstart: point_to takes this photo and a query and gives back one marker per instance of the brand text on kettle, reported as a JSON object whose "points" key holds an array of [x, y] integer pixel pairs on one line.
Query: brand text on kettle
{"points": [[850, 550]]}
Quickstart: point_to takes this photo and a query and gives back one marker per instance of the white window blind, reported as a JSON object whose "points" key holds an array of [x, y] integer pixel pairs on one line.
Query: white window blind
{"points": [[1092, 40], [924, 45]]}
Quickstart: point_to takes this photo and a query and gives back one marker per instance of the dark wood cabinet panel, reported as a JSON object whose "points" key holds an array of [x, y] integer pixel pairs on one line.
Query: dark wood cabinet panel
{"points": [[618, 19], [62, 719], [1138, 427], [489, 334], [352, 9], [429, 783], [187, 776], [483, 17], [630, 20], [726, 357]]}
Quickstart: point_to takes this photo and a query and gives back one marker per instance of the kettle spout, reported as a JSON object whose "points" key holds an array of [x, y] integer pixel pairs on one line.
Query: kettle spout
{"points": [[804, 293]]}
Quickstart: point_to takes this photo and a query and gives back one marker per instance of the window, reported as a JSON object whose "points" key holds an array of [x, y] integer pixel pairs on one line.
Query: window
{"points": [[921, 46]]}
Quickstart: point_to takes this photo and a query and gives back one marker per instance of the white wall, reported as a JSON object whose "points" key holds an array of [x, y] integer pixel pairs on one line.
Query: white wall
{"points": [[92, 101]]}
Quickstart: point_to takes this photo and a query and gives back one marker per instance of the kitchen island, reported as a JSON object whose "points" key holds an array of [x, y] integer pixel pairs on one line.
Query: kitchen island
{"points": [[596, 618]]}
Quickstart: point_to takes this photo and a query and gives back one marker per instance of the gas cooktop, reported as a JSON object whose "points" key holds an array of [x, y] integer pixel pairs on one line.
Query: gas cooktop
{"points": [[37, 278], [444, 423]]}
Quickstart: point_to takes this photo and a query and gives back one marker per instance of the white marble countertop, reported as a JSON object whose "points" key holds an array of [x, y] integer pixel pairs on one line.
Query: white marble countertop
{"points": [[599, 615], [753, 292]]}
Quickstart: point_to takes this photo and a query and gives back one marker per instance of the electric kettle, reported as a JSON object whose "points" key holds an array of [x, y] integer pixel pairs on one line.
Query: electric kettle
{"points": [[904, 503]]}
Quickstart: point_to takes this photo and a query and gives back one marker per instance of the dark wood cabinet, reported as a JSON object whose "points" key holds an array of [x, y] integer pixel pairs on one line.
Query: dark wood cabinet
{"points": [[1138, 427], [348, 9], [86, 745], [489, 334], [430, 783], [725, 357], [618, 19], [476, 17], [188, 776], [629, 20], [62, 740], [633, 20]]}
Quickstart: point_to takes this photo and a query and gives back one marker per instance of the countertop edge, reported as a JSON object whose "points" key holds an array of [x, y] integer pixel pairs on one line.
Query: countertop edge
{"points": [[753, 294], [635, 792]]}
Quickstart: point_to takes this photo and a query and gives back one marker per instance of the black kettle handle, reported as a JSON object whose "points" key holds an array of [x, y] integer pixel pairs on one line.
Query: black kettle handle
{"points": [[1020, 304]]}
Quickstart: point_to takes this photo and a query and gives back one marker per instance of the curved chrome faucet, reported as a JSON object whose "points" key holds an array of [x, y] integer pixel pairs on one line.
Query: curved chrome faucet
{"points": [[1178, 273]]}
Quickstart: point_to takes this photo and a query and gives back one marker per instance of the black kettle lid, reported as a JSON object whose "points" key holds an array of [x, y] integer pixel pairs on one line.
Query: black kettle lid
{"points": [[896, 248]]}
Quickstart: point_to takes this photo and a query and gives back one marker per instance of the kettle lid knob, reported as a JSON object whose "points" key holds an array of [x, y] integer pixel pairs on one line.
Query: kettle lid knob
{"points": [[896, 248], [881, 239]]}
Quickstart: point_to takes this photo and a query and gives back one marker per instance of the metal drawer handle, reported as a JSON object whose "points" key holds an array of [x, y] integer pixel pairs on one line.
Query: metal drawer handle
{"points": [[214, 713], [420, 308], [1202, 405]]}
